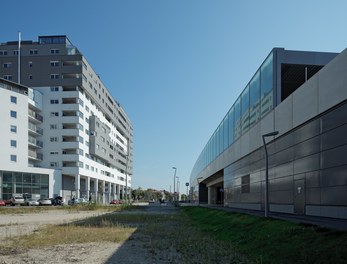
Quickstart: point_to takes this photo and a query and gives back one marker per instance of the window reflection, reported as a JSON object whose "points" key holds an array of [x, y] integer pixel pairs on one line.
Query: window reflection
{"points": [[266, 76], [237, 123], [254, 99], [245, 109]]}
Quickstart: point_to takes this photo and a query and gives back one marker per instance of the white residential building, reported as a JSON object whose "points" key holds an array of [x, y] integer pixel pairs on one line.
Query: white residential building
{"points": [[86, 133]]}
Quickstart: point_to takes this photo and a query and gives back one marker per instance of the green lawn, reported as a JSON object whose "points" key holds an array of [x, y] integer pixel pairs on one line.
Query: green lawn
{"points": [[266, 240]]}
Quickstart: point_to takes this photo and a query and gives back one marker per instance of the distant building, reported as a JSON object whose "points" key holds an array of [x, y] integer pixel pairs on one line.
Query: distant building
{"points": [[303, 96], [76, 128]]}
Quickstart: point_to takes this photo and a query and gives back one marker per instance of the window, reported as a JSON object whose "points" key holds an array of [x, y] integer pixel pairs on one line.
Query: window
{"points": [[245, 184], [53, 139], [13, 158], [13, 99], [80, 152], [103, 129], [86, 131], [53, 126], [54, 101], [54, 51], [54, 76], [54, 89], [87, 109], [3, 52], [80, 101], [87, 167], [54, 63], [52, 114], [13, 129], [33, 52], [13, 114], [80, 114], [8, 77], [80, 164], [30, 76], [54, 153], [7, 65], [13, 143], [30, 63], [15, 52], [54, 164], [80, 139], [266, 85], [80, 127]]}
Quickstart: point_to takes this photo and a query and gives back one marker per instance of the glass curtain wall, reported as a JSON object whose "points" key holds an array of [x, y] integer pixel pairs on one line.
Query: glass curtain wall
{"points": [[255, 101], [24, 183]]}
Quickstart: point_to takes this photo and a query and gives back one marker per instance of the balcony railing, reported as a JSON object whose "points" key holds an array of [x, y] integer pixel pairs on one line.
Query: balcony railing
{"points": [[35, 129], [33, 154], [35, 115], [35, 142]]}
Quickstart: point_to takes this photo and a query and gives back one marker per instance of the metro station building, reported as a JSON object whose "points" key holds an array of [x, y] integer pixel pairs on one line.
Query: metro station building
{"points": [[302, 96]]}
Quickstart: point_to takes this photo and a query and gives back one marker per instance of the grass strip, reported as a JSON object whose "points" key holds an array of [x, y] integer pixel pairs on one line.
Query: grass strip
{"points": [[267, 240]]}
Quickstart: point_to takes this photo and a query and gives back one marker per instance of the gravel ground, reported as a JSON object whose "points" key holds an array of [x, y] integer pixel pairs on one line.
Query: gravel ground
{"points": [[131, 251]]}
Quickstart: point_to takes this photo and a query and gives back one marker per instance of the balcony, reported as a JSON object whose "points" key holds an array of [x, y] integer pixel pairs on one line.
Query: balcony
{"points": [[70, 100], [33, 155], [33, 142], [35, 130], [34, 117]]}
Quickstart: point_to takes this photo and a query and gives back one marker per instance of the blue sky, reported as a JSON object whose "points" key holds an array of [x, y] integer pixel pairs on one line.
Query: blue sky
{"points": [[177, 66]]}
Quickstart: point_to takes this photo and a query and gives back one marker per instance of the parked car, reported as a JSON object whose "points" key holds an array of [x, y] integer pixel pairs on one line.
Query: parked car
{"points": [[32, 202], [57, 200], [45, 201], [81, 201], [78, 201], [2, 203], [17, 199], [115, 202]]}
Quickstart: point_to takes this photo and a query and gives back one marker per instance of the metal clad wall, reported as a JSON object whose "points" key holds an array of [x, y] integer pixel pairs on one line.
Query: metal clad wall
{"points": [[311, 158]]}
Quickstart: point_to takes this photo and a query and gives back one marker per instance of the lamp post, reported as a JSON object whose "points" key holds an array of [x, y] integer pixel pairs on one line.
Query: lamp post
{"points": [[174, 182], [267, 172], [178, 188]]}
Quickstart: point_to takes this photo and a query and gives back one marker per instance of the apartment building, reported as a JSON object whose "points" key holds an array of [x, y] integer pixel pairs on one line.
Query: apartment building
{"points": [[86, 135]]}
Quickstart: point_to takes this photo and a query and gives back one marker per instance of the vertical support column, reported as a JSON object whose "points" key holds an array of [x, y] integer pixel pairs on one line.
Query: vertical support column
{"points": [[77, 185], [117, 191], [114, 191], [88, 187], [103, 192], [96, 183]]}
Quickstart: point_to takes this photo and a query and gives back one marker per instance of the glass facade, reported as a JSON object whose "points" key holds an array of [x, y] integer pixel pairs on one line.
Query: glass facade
{"points": [[24, 183], [255, 101]]}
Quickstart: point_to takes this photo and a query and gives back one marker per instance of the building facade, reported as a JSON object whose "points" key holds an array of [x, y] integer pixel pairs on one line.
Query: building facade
{"points": [[86, 134], [302, 96]]}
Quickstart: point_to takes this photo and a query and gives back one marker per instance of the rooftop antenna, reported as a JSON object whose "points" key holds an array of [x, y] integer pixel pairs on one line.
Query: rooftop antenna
{"points": [[19, 42]]}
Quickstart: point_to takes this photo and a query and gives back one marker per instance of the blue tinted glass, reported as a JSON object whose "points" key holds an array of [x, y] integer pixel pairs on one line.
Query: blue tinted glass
{"points": [[254, 103], [237, 119], [226, 132], [221, 138], [245, 109], [266, 85], [231, 126]]}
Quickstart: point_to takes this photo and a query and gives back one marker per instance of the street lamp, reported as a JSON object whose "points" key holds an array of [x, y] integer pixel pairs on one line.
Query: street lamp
{"points": [[174, 182], [126, 173], [267, 172]]}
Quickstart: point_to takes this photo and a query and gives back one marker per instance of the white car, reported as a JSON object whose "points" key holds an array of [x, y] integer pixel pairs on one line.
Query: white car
{"points": [[45, 201], [32, 202]]}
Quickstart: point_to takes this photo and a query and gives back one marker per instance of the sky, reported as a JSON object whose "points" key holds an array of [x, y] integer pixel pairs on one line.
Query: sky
{"points": [[177, 66]]}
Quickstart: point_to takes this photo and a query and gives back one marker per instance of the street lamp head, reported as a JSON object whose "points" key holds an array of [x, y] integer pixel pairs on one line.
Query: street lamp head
{"points": [[275, 133], [174, 168]]}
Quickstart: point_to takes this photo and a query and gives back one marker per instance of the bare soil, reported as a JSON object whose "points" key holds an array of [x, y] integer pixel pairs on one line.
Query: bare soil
{"points": [[131, 251]]}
